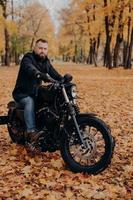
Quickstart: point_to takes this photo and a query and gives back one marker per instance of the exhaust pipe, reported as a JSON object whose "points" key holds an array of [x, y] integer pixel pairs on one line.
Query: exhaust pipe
{"points": [[3, 120]]}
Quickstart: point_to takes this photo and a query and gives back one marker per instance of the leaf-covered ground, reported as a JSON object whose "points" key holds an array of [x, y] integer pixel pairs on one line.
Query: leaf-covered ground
{"points": [[109, 93]]}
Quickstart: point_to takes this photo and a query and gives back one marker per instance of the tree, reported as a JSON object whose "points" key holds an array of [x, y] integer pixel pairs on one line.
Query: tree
{"points": [[3, 4], [21, 25], [35, 22], [93, 28], [128, 42], [1, 32], [119, 37]]}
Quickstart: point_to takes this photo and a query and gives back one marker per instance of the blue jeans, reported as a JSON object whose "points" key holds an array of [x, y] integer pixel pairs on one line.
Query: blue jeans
{"points": [[29, 113]]}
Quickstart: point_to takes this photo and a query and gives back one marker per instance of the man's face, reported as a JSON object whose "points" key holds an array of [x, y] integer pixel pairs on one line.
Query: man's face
{"points": [[41, 49]]}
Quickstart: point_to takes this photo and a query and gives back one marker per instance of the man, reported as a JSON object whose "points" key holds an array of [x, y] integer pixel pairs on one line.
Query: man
{"points": [[33, 69]]}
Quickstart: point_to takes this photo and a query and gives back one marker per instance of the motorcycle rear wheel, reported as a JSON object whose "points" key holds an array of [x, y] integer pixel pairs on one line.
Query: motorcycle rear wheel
{"points": [[15, 129], [97, 154]]}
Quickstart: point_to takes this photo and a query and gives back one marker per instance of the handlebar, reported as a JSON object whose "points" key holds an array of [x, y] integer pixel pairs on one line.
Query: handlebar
{"points": [[55, 83], [50, 78], [66, 78]]}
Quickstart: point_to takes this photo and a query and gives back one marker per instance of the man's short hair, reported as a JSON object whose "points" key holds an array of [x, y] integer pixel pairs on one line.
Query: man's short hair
{"points": [[41, 40]]}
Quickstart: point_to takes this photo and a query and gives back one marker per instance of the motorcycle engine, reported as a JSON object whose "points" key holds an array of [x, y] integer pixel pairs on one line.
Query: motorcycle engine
{"points": [[46, 118]]}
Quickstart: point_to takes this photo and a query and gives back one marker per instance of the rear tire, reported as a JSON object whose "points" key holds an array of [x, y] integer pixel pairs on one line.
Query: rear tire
{"points": [[15, 128], [87, 158]]}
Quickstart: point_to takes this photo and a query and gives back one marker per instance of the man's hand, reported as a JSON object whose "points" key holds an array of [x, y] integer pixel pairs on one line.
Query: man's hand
{"points": [[43, 77]]}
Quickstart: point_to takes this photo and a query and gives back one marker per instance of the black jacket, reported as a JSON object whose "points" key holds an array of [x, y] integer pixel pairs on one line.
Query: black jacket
{"points": [[27, 83]]}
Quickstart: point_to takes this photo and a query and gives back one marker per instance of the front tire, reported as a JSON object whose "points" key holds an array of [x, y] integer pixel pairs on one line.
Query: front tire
{"points": [[97, 154]]}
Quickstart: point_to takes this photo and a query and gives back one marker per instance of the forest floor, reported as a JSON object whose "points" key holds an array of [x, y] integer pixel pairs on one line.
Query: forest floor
{"points": [[109, 94]]}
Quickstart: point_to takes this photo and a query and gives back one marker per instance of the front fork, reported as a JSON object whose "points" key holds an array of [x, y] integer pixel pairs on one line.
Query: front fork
{"points": [[73, 115]]}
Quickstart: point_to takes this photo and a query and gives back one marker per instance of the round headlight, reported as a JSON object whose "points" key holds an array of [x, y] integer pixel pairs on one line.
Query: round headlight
{"points": [[74, 91]]}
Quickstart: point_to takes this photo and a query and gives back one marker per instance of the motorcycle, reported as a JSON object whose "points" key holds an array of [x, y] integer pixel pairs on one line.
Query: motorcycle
{"points": [[84, 140]]}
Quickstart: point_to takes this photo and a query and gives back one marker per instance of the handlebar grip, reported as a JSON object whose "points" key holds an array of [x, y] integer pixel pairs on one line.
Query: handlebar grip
{"points": [[50, 78]]}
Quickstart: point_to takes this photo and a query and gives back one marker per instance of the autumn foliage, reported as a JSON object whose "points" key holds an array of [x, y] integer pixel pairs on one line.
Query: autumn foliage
{"points": [[21, 24], [98, 32], [44, 175]]}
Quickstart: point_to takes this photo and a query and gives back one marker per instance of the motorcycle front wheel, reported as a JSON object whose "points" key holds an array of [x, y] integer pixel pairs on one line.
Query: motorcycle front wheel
{"points": [[96, 153]]}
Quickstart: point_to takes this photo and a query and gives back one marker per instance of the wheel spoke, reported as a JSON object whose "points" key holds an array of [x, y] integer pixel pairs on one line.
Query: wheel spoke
{"points": [[99, 139], [75, 154]]}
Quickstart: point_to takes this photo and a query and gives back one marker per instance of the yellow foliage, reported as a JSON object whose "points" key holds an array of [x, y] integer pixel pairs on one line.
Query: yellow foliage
{"points": [[12, 27], [85, 20], [35, 23]]}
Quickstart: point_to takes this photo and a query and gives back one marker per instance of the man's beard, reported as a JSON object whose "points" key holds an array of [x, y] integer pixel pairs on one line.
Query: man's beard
{"points": [[42, 56]]}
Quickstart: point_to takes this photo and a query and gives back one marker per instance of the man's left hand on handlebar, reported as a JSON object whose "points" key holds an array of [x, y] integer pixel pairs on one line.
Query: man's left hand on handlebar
{"points": [[47, 78]]}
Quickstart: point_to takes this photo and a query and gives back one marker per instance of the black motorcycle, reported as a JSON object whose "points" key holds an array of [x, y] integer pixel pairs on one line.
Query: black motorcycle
{"points": [[85, 141]]}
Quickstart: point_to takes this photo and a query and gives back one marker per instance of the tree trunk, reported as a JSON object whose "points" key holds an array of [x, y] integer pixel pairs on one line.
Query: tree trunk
{"points": [[129, 59], [98, 43], [92, 51], [3, 4], [12, 9], [90, 56], [119, 37], [75, 58], [32, 43], [94, 54], [116, 50], [107, 52], [126, 43], [7, 48], [125, 50]]}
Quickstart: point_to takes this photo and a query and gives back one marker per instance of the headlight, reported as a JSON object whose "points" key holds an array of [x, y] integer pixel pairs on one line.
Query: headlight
{"points": [[74, 92]]}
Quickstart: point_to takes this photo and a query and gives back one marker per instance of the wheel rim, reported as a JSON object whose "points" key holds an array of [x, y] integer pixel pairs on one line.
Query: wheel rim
{"points": [[94, 142]]}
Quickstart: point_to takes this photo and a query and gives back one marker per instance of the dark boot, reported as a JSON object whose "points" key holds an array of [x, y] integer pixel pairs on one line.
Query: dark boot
{"points": [[33, 137]]}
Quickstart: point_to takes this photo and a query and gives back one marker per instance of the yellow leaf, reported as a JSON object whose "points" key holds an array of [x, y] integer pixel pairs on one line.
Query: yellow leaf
{"points": [[26, 192], [26, 170], [57, 163], [69, 194], [43, 181]]}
